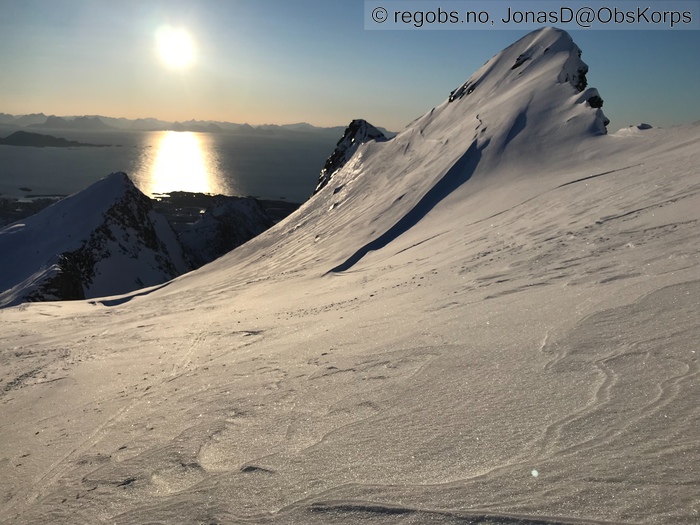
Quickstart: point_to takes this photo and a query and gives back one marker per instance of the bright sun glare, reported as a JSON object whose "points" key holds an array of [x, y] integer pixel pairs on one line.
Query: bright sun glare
{"points": [[181, 165], [175, 47]]}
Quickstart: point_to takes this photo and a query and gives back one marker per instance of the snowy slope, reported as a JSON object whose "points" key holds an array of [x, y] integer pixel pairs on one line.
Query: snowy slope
{"points": [[491, 318], [509, 125], [102, 241]]}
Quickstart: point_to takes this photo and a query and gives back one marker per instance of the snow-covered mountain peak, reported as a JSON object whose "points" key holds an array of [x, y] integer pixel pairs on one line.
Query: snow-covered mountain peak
{"points": [[101, 241], [530, 99], [526, 115], [357, 133], [96, 197], [541, 52]]}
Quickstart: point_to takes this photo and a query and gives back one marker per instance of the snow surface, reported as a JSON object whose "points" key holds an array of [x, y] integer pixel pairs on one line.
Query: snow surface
{"points": [[491, 318]]}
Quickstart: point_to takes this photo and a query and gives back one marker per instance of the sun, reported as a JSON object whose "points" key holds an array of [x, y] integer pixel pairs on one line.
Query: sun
{"points": [[175, 47]]}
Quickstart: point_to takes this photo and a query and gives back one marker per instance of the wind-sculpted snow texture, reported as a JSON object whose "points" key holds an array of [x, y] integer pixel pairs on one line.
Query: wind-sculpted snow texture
{"points": [[509, 336]]}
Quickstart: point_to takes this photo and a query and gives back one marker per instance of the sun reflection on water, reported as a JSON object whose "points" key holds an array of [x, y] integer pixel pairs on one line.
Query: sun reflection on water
{"points": [[183, 164]]}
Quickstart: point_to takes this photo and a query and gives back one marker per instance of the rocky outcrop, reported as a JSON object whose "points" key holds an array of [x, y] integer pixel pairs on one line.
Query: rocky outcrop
{"points": [[62, 282], [108, 239], [227, 223], [358, 132], [105, 240], [132, 231]]}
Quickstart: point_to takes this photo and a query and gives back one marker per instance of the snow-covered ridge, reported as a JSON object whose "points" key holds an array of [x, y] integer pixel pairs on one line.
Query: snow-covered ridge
{"points": [[357, 133], [536, 87], [528, 103], [108, 240], [104, 240], [526, 108]]}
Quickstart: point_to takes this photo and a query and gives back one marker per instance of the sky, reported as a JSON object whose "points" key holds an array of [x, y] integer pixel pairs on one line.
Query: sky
{"points": [[287, 61]]}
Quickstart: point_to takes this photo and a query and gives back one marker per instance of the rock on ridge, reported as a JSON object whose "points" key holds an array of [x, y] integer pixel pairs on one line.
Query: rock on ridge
{"points": [[524, 111], [357, 133]]}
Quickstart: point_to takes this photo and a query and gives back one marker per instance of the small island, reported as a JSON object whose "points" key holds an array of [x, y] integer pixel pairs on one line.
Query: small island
{"points": [[37, 140]]}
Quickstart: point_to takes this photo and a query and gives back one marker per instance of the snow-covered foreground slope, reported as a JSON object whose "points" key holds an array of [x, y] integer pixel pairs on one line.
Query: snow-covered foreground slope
{"points": [[483, 320]]}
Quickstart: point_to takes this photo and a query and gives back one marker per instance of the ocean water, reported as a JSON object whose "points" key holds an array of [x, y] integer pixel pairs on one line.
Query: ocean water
{"points": [[273, 165]]}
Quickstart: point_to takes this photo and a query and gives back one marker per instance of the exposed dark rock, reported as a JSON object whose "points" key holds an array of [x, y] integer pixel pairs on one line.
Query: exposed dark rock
{"points": [[255, 468], [106, 240], [578, 79], [580, 82], [128, 228], [521, 60], [358, 132], [207, 227], [595, 102], [227, 223], [65, 284], [465, 89]]}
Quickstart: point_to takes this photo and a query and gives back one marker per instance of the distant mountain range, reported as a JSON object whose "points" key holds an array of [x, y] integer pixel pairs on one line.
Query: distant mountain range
{"points": [[102, 123], [81, 123]]}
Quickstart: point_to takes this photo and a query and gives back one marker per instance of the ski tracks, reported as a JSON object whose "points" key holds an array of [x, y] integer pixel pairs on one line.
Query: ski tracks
{"points": [[61, 466]]}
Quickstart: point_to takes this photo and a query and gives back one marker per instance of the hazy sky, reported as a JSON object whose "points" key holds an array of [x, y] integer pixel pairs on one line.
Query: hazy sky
{"points": [[285, 61]]}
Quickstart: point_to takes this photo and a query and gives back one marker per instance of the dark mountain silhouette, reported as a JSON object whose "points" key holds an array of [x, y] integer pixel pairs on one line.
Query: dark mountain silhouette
{"points": [[37, 140]]}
